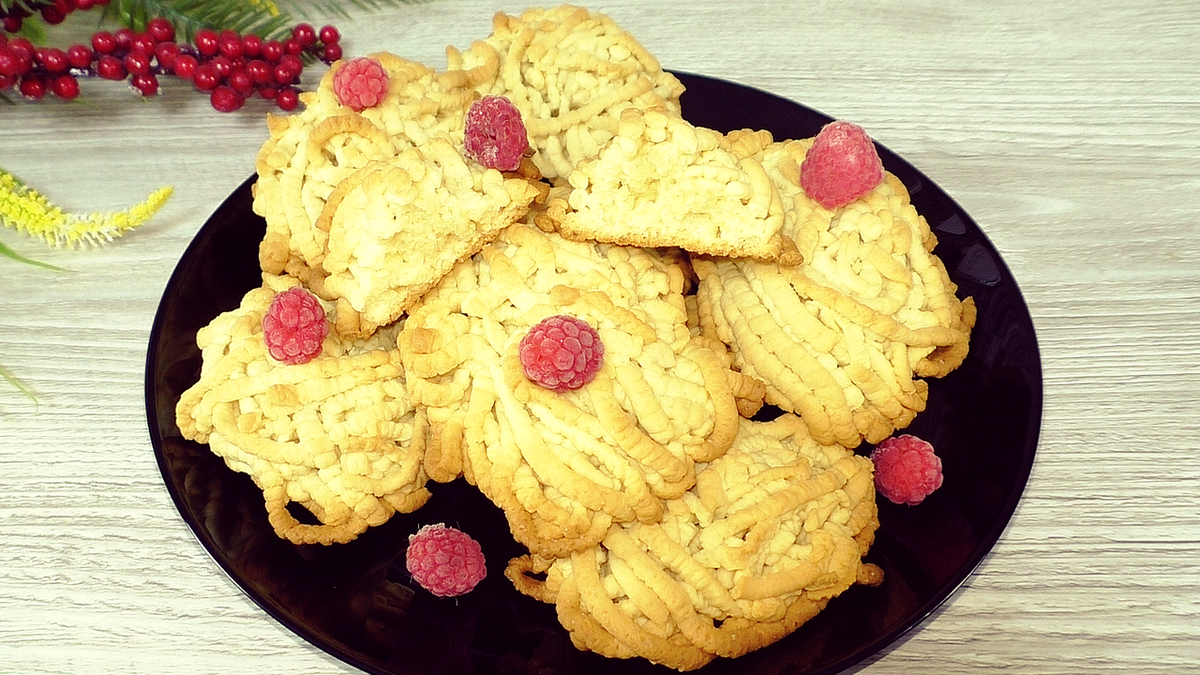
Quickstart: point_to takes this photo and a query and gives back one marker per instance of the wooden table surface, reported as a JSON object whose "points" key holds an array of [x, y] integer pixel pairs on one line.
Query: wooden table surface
{"points": [[1068, 130]]}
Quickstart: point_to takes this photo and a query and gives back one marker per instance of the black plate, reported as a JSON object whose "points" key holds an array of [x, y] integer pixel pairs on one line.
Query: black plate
{"points": [[356, 601]]}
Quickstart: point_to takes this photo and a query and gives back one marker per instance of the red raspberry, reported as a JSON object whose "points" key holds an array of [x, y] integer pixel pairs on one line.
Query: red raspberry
{"points": [[561, 353], [445, 561], [841, 166], [906, 469], [495, 134], [360, 83], [294, 326]]}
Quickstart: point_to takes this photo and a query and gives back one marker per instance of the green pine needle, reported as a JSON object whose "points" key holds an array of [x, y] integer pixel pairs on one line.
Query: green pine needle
{"points": [[21, 386], [269, 19]]}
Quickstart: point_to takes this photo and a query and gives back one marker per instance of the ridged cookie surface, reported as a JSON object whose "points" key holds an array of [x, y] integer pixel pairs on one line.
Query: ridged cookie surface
{"points": [[336, 435], [771, 532], [844, 338], [563, 466], [570, 72]]}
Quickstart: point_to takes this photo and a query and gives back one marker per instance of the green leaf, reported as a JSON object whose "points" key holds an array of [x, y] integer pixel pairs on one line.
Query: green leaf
{"points": [[9, 253], [33, 29], [21, 387]]}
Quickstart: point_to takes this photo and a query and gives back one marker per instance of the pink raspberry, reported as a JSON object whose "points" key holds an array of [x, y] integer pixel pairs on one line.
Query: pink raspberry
{"points": [[294, 326], [561, 353], [445, 561], [495, 134], [841, 166], [906, 469], [360, 83]]}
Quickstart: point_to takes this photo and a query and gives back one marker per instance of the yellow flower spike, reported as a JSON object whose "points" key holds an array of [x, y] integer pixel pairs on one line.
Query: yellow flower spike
{"points": [[26, 210]]}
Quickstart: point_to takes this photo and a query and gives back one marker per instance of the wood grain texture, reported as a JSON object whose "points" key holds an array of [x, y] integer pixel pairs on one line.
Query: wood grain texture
{"points": [[1068, 130]]}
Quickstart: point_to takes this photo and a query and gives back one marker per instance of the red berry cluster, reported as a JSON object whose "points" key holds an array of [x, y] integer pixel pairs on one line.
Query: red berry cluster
{"points": [[227, 66], [52, 12]]}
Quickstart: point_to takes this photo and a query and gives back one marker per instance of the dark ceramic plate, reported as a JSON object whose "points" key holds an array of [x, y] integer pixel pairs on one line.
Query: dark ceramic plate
{"points": [[356, 601]]}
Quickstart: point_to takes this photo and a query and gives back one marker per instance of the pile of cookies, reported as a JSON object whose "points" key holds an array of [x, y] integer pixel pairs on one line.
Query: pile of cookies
{"points": [[663, 518]]}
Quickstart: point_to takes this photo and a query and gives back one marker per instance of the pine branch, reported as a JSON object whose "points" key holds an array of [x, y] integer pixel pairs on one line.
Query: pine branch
{"points": [[261, 17], [269, 19]]}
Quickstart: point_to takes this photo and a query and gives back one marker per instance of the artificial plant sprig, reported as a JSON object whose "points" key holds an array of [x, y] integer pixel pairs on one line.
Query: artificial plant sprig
{"points": [[26, 210]]}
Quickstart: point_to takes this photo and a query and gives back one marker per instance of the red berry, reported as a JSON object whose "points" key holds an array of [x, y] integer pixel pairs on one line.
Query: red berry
{"points": [[259, 71], [124, 38], [252, 46], [162, 30], [84, 4], [561, 353], [292, 46], [185, 66], [80, 56], [145, 84], [225, 99], [52, 15], [110, 68], [495, 134], [10, 62], [240, 80], [207, 42], [137, 63], [287, 70], [331, 52], [360, 83], [12, 23], [304, 34], [329, 35], [142, 43], [23, 51], [205, 77], [65, 87], [272, 51], [906, 469], [287, 98], [229, 44], [841, 166], [223, 65], [52, 59], [166, 53], [295, 325], [33, 88], [445, 561], [104, 42]]}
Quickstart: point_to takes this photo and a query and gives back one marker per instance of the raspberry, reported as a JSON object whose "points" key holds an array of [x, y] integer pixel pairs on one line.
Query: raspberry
{"points": [[906, 469], [495, 134], [841, 166], [561, 353], [294, 326], [360, 83], [445, 561]]}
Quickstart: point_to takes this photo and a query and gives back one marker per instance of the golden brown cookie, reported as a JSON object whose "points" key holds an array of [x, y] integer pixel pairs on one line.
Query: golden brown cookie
{"points": [[336, 435], [396, 226], [563, 466], [663, 182], [844, 338], [308, 153], [570, 72], [326, 156], [772, 531]]}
